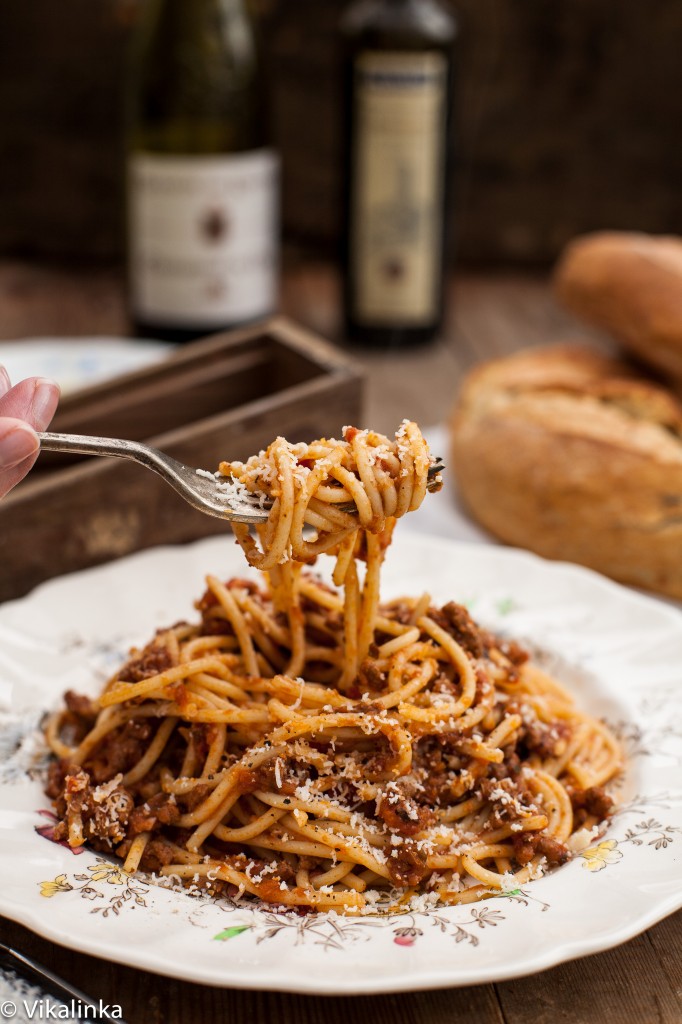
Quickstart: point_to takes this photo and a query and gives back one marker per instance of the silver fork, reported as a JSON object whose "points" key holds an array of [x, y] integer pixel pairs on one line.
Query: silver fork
{"points": [[214, 496], [72, 997]]}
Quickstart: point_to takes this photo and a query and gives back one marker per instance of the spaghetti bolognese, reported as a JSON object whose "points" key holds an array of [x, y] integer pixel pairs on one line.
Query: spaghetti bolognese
{"points": [[313, 747]]}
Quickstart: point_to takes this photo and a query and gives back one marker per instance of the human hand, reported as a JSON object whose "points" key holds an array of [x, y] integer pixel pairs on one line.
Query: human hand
{"points": [[24, 408]]}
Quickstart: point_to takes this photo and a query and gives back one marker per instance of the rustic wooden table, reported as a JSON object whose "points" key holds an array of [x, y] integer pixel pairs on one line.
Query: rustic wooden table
{"points": [[490, 315]]}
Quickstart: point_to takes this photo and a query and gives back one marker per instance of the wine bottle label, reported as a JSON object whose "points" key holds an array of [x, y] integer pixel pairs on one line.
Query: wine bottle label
{"points": [[203, 237], [397, 205]]}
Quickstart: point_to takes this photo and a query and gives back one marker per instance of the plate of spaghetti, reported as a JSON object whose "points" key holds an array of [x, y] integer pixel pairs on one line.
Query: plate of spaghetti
{"points": [[346, 747]]}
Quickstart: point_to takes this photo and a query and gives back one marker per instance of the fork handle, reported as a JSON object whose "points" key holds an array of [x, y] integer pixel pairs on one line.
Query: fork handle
{"points": [[121, 448], [118, 447], [87, 445]]}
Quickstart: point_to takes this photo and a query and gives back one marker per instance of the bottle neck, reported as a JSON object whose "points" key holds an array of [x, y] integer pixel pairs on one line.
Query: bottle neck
{"points": [[208, 6], [202, 12], [381, 20]]}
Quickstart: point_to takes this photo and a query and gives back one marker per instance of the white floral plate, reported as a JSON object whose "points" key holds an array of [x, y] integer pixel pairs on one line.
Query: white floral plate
{"points": [[79, 362], [619, 651]]}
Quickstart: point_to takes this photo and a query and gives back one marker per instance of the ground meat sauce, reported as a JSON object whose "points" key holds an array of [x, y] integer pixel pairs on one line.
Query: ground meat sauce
{"points": [[508, 768], [371, 676], [266, 777], [455, 620], [407, 863], [593, 801], [477, 642], [529, 844], [104, 811], [80, 717], [157, 853], [111, 815], [511, 800], [55, 779], [213, 621], [195, 797], [81, 706], [122, 748], [545, 740], [401, 812], [153, 813], [216, 625], [154, 659]]}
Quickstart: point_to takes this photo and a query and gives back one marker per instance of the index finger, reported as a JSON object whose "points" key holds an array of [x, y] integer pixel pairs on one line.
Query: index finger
{"points": [[5, 382]]}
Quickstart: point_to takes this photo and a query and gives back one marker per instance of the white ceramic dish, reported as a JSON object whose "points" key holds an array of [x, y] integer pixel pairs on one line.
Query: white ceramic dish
{"points": [[78, 362], [619, 651]]}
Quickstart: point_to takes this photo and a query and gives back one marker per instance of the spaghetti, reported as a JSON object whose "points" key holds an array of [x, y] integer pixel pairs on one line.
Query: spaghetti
{"points": [[314, 748]]}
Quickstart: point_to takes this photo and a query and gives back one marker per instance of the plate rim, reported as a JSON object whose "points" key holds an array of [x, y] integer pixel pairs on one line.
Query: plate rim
{"points": [[559, 952]]}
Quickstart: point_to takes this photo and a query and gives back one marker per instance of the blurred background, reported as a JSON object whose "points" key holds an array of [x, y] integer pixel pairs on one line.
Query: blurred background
{"points": [[566, 118]]}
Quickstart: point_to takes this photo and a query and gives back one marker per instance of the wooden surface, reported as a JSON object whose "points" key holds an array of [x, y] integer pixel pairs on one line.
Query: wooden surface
{"points": [[639, 982]]}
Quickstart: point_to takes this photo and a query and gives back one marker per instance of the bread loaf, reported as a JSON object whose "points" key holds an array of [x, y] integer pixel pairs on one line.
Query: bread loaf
{"points": [[629, 285], [567, 453]]}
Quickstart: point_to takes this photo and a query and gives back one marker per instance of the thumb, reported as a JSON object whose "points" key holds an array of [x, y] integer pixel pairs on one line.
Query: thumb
{"points": [[19, 449], [18, 441]]}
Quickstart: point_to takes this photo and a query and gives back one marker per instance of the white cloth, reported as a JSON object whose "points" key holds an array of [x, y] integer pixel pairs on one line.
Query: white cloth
{"points": [[22, 1002]]}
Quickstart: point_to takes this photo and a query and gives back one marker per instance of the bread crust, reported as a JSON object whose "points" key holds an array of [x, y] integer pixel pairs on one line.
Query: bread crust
{"points": [[565, 452], [629, 285]]}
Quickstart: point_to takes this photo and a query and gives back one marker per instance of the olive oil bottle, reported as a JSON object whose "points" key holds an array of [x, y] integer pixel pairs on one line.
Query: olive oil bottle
{"points": [[202, 178], [398, 84]]}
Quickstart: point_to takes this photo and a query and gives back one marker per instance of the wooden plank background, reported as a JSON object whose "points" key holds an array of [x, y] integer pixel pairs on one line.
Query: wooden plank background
{"points": [[569, 118]]}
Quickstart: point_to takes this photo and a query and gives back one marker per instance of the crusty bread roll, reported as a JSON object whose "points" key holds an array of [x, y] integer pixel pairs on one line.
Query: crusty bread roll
{"points": [[565, 452], [629, 285]]}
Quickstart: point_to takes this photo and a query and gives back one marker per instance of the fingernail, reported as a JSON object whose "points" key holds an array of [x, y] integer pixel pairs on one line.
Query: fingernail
{"points": [[18, 444], [43, 404]]}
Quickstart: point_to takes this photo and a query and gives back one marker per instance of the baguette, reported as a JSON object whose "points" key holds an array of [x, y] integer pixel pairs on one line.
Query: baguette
{"points": [[567, 453], [629, 285]]}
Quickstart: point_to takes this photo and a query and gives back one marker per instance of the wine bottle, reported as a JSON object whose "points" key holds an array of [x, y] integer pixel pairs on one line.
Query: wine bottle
{"points": [[202, 178], [398, 83]]}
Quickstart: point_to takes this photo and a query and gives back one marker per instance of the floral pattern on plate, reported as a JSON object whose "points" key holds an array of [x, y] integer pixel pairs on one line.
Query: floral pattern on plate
{"points": [[619, 652]]}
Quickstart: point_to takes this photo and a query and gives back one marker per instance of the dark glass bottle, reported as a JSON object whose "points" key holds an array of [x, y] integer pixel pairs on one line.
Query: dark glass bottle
{"points": [[202, 178], [398, 139]]}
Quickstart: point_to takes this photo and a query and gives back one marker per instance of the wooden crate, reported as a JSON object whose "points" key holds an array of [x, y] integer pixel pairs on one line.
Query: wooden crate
{"points": [[224, 397]]}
